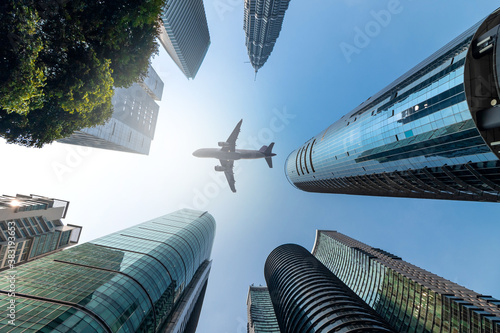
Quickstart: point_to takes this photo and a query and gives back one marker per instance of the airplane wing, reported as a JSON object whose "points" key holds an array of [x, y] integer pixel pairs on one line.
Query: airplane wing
{"points": [[231, 147], [229, 173]]}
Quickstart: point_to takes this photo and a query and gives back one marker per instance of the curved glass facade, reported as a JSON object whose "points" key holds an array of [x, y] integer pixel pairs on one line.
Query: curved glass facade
{"points": [[409, 298], [482, 80], [129, 281], [307, 297], [415, 138]]}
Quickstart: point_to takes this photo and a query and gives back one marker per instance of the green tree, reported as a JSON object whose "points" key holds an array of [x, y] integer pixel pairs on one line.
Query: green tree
{"points": [[63, 59], [127, 37], [50, 123], [22, 77]]}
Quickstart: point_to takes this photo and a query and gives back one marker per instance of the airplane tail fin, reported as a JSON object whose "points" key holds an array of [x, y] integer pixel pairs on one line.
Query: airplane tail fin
{"points": [[268, 152]]}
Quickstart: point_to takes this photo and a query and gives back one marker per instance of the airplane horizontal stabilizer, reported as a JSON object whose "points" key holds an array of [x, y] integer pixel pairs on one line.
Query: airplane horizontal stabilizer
{"points": [[269, 161]]}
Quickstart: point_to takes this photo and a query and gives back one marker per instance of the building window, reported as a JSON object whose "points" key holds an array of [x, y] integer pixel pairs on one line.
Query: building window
{"points": [[310, 156]]}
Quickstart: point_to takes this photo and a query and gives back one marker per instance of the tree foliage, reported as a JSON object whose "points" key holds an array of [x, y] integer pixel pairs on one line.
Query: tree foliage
{"points": [[22, 77], [62, 58]]}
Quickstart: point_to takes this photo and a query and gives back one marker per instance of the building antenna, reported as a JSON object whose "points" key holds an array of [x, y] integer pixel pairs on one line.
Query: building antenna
{"points": [[255, 78]]}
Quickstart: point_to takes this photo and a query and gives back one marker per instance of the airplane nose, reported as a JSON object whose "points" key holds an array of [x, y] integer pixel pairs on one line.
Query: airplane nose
{"points": [[196, 153]]}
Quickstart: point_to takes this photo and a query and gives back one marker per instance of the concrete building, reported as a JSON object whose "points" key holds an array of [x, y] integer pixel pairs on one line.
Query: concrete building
{"points": [[33, 224]]}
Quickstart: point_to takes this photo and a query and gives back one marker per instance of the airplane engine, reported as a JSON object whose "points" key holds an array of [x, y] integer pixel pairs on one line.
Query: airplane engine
{"points": [[223, 144], [220, 168]]}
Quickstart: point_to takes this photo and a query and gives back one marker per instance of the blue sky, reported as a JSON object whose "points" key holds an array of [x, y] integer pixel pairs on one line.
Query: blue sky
{"points": [[306, 85]]}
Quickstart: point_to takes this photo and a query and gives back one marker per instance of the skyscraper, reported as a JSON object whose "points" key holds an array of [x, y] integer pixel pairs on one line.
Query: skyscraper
{"points": [[132, 125], [184, 34], [261, 317], [262, 24], [307, 297], [409, 298], [31, 227], [148, 278], [432, 133]]}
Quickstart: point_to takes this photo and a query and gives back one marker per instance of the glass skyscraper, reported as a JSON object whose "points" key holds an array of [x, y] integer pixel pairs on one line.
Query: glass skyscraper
{"points": [[409, 298], [262, 24], [148, 278], [31, 227], [432, 133], [307, 297], [131, 128], [261, 317], [184, 34]]}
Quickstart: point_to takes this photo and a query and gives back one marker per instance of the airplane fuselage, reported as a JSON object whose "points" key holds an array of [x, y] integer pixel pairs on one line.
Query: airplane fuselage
{"points": [[239, 154]]}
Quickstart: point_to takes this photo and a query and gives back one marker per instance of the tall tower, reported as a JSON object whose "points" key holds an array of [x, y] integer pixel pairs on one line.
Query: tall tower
{"points": [[307, 297], [184, 34], [432, 133], [31, 227], [262, 24], [261, 317], [131, 128], [148, 278], [409, 298]]}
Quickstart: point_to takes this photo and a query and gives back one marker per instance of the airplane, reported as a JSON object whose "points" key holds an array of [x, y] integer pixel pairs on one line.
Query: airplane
{"points": [[228, 154]]}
